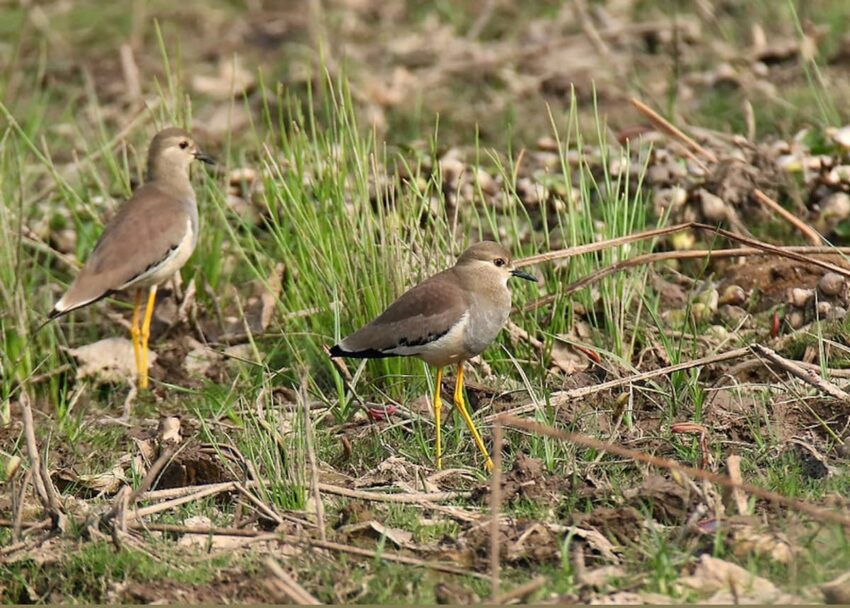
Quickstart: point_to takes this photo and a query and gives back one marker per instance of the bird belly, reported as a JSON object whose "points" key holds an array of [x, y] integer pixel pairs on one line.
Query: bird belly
{"points": [[445, 350], [167, 266], [484, 328]]}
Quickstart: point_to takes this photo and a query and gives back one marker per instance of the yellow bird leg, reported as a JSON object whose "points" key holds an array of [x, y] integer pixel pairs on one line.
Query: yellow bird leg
{"points": [[438, 406], [146, 332], [459, 404], [135, 331]]}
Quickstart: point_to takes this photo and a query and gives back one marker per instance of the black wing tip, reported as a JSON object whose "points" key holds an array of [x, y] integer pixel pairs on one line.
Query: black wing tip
{"points": [[369, 353]]}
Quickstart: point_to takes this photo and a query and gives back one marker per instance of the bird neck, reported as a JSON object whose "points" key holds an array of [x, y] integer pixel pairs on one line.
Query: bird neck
{"points": [[493, 289], [170, 177]]}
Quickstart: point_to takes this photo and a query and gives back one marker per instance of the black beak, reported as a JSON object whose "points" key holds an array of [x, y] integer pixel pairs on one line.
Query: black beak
{"points": [[204, 158], [523, 275]]}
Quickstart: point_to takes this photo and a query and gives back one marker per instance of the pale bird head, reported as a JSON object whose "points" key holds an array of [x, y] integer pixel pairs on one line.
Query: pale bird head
{"points": [[489, 262], [172, 151]]}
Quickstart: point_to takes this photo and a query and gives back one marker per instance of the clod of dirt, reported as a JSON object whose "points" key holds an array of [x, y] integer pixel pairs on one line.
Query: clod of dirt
{"points": [[669, 501], [812, 464], [772, 279], [196, 465], [354, 512], [837, 591], [394, 472], [733, 295], [528, 480], [800, 297], [227, 588], [622, 524], [454, 595], [529, 542]]}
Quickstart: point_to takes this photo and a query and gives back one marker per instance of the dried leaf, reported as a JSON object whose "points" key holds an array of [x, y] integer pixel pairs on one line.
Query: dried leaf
{"points": [[599, 577], [107, 482], [207, 541], [108, 361], [200, 359], [400, 538], [731, 583], [270, 296], [748, 540], [231, 81]]}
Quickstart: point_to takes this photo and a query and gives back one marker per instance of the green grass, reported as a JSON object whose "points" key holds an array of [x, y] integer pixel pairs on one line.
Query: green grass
{"points": [[88, 574], [355, 217]]}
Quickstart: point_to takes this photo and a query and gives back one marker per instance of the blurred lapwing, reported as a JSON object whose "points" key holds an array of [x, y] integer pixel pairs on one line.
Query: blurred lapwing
{"points": [[445, 320], [150, 238]]}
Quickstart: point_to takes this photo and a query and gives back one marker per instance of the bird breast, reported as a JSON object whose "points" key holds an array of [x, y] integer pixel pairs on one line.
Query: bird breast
{"points": [[489, 313]]}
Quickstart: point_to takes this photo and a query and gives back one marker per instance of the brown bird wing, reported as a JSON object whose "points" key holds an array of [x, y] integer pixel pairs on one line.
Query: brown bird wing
{"points": [[144, 232], [421, 315]]}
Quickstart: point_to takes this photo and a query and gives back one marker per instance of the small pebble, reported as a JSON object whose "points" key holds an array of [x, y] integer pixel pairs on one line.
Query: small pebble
{"points": [[733, 295], [713, 207], [796, 319], [799, 297], [831, 284], [824, 309]]}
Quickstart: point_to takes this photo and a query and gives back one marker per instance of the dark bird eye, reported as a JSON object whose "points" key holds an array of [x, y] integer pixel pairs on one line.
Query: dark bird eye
{"points": [[184, 145], [499, 262]]}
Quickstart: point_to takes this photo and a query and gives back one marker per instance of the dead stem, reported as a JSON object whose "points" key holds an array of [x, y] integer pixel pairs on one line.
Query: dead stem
{"points": [[520, 592], [784, 252], [662, 256], [806, 375], [495, 502], [288, 586], [817, 513], [807, 231], [303, 540], [311, 458], [561, 397], [662, 124], [47, 494]]}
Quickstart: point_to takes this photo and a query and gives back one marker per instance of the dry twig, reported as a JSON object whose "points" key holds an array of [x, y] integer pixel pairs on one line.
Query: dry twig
{"points": [[311, 457], [733, 465], [662, 124], [520, 592], [47, 494], [561, 397], [807, 231], [662, 256], [409, 497], [495, 502], [806, 375], [784, 252], [289, 586], [817, 513], [303, 540]]}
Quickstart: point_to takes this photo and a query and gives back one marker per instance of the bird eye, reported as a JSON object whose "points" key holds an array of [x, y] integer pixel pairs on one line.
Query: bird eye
{"points": [[499, 262], [184, 145]]}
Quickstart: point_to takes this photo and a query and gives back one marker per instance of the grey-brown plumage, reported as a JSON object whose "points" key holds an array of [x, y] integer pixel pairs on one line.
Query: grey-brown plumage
{"points": [[152, 234], [446, 319], [150, 238], [449, 317]]}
